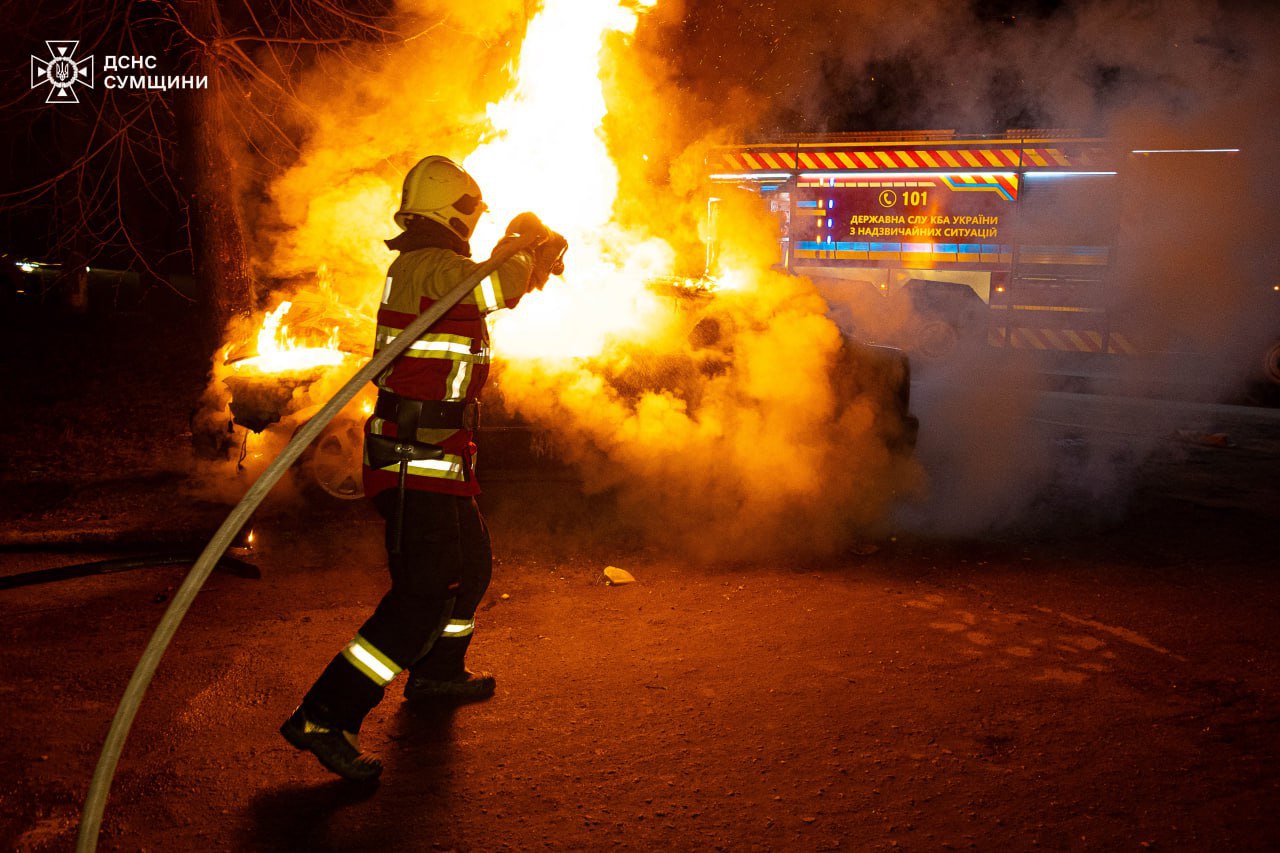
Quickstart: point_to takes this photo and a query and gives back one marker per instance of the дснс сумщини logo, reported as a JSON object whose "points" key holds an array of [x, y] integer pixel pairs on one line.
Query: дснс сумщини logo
{"points": [[62, 72]]}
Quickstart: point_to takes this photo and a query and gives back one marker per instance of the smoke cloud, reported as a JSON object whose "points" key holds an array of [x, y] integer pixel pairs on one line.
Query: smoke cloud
{"points": [[735, 417], [1194, 267], [745, 429]]}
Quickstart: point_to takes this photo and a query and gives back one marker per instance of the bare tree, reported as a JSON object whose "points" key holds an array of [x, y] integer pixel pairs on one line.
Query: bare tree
{"points": [[161, 177]]}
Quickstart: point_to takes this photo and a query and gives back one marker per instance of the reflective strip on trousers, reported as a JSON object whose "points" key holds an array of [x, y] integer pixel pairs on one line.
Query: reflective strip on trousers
{"points": [[449, 468], [364, 656], [459, 628]]}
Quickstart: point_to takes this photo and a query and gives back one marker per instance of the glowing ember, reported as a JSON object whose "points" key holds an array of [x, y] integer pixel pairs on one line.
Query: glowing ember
{"points": [[280, 352]]}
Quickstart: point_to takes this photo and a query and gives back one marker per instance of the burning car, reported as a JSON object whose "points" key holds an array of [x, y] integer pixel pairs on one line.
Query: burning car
{"points": [[858, 369], [267, 384], [270, 386]]}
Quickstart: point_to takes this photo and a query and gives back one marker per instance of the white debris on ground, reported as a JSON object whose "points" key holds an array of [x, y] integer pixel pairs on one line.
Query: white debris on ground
{"points": [[615, 576]]}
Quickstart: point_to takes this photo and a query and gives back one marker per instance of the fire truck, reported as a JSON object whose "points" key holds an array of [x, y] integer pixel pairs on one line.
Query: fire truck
{"points": [[937, 243]]}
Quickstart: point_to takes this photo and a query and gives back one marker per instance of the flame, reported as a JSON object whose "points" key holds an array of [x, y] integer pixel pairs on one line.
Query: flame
{"points": [[547, 154], [280, 352], [747, 437], [544, 152]]}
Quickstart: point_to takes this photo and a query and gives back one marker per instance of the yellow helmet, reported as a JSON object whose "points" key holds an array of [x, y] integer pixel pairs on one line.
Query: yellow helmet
{"points": [[439, 189]]}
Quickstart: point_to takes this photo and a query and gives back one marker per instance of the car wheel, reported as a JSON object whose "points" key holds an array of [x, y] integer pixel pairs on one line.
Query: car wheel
{"points": [[334, 463], [1271, 364], [936, 340]]}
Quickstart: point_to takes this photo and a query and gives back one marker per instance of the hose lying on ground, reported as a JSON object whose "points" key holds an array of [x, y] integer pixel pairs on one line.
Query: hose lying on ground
{"points": [[96, 799], [239, 568]]}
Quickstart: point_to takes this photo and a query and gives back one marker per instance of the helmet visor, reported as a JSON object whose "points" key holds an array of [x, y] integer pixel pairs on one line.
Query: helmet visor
{"points": [[469, 204]]}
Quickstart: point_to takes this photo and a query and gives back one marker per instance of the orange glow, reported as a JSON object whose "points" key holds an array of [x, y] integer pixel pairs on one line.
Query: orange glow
{"points": [[703, 413], [544, 152], [280, 352], [547, 154], [296, 338]]}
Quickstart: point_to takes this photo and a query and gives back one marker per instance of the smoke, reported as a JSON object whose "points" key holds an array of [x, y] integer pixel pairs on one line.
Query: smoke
{"points": [[744, 430], [730, 413], [1195, 261], [1200, 252], [744, 412], [370, 114], [975, 67], [367, 113]]}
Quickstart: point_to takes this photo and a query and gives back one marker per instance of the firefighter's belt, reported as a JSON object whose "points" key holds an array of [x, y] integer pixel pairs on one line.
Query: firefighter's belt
{"points": [[427, 414]]}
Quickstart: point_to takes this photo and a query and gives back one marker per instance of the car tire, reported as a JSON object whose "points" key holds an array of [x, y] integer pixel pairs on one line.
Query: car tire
{"points": [[1271, 364], [936, 340], [333, 464]]}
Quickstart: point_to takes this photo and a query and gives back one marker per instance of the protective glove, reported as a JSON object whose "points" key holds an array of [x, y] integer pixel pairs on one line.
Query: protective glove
{"points": [[548, 252], [550, 255], [528, 225], [548, 260]]}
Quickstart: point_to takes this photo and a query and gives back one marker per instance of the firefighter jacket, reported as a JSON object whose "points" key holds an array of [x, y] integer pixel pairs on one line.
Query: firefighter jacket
{"points": [[450, 362]]}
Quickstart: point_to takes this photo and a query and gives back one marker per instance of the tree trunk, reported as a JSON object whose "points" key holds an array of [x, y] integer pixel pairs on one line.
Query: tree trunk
{"points": [[217, 224]]}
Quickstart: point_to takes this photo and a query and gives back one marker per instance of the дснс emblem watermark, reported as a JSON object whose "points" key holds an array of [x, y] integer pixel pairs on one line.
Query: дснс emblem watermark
{"points": [[62, 72]]}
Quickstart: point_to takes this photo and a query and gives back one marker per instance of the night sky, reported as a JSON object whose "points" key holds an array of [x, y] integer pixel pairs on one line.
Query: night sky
{"points": [[765, 69]]}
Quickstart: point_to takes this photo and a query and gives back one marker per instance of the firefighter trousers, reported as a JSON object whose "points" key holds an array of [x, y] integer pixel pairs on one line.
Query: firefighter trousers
{"points": [[424, 621]]}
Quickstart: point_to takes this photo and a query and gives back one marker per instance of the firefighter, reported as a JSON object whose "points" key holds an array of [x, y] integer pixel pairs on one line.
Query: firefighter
{"points": [[419, 469]]}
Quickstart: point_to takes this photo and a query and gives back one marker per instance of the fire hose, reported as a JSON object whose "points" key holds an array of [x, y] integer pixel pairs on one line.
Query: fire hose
{"points": [[231, 565], [100, 786]]}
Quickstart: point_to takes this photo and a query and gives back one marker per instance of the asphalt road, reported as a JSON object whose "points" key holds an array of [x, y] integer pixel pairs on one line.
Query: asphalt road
{"points": [[1110, 691], [1103, 674]]}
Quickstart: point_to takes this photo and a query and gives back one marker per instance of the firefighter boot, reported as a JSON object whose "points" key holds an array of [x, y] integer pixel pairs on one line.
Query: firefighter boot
{"points": [[442, 676], [337, 750]]}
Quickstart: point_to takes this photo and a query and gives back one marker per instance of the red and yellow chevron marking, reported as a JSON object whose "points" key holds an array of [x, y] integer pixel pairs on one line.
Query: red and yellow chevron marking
{"points": [[1121, 344], [758, 161], [894, 159], [1061, 340], [1058, 340]]}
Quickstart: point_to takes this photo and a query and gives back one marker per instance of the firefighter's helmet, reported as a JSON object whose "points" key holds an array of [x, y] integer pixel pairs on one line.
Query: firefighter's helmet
{"points": [[439, 189]]}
